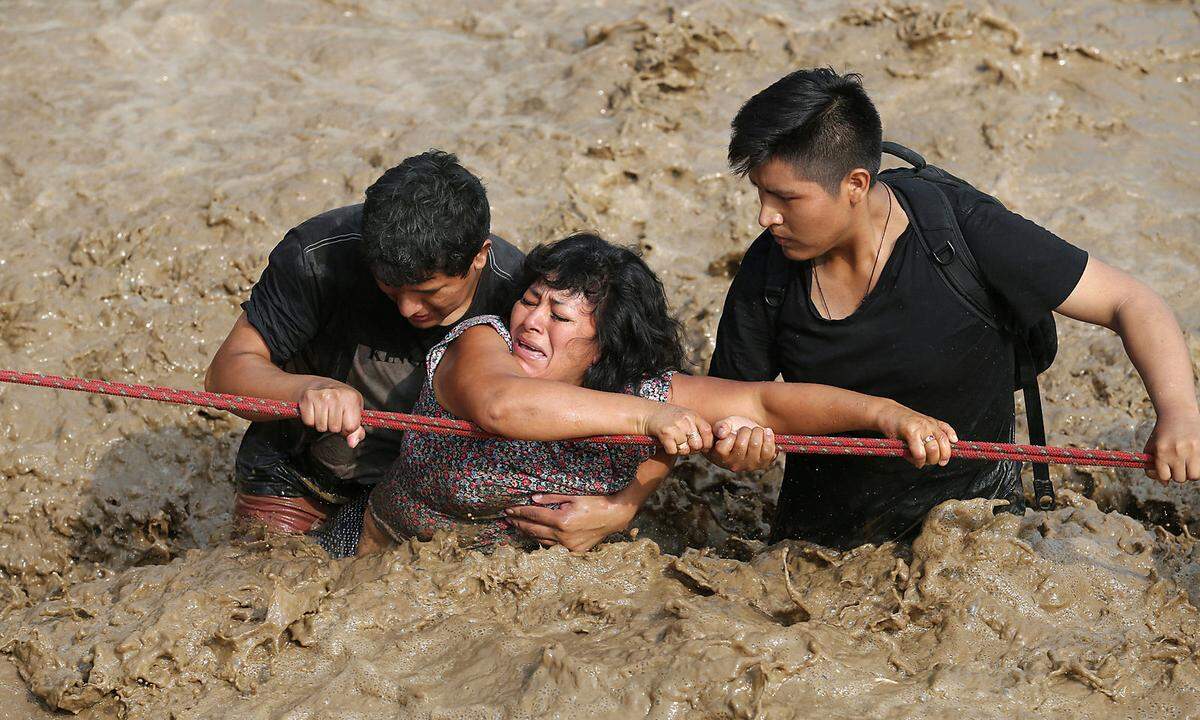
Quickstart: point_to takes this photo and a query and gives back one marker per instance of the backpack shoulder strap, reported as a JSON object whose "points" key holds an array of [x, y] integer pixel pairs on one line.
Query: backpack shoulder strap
{"points": [[939, 232], [937, 228]]}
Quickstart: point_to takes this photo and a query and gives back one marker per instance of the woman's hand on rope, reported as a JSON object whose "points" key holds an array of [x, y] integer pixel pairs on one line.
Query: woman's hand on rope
{"points": [[330, 406], [679, 430], [1175, 447], [928, 439], [742, 445], [575, 522]]}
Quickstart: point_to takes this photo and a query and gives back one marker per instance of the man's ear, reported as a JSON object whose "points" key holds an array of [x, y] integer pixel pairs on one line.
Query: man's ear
{"points": [[856, 184], [481, 257]]}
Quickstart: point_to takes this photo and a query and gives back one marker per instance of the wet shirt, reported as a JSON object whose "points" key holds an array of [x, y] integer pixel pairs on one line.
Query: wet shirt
{"points": [[320, 312], [461, 484], [912, 340]]}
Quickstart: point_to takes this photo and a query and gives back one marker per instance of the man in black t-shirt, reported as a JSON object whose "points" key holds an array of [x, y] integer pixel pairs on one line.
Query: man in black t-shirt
{"points": [[341, 319], [865, 308]]}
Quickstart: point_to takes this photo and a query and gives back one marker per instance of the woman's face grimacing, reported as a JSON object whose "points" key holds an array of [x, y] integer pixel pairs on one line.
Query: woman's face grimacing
{"points": [[554, 334]]}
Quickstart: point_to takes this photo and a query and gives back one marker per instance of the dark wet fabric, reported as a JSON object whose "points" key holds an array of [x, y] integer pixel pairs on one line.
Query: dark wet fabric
{"points": [[912, 340], [282, 514], [340, 535], [320, 312]]}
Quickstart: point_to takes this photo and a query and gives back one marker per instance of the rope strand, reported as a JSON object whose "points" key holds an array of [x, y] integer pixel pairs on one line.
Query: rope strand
{"points": [[801, 444]]}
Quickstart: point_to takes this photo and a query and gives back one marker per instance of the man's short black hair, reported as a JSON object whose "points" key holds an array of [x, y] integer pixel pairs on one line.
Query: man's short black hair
{"points": [[427, 215], [821, 122]]}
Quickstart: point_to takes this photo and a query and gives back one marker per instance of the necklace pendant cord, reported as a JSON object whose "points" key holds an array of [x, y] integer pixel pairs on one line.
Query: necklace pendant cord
{"points": [[874, 264]]}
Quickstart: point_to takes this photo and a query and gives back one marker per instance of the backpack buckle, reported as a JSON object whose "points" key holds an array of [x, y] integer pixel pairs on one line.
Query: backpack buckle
{"points": [[943, 255]]}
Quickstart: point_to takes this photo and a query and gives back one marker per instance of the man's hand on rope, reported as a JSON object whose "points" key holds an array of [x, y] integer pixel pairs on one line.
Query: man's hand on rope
{"points": [[928, 439], [1175, 445], [330, 406], [742, 445], [862, 447]]}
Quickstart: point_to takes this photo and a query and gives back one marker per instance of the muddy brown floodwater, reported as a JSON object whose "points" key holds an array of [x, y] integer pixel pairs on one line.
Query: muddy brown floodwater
{"points": [[152, 153]]}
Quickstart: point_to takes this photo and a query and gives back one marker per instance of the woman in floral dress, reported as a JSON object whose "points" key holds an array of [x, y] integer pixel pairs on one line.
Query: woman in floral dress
{"points": [[592, 350]]}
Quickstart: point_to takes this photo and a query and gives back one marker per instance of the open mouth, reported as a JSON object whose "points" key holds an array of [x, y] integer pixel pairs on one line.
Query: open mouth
{"points": [[532, 352]]}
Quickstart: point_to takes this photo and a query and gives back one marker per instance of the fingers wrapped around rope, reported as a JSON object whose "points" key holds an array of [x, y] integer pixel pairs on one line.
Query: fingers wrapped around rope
{"points": [[688, 434], [929, 441]]}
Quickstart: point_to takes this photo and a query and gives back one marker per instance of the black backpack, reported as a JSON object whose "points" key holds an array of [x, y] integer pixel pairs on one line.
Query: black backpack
{"points": [[919, 190]]}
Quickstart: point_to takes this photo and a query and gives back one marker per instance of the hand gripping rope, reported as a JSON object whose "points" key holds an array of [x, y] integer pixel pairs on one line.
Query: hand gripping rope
{"points": [[802, 444]]}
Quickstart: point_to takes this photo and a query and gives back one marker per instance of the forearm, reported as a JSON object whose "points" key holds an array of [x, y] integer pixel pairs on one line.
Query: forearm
{"points": [[1156, 348], [532, 409], [254, 376], [801, 408], [650, 475], [810, 409]]}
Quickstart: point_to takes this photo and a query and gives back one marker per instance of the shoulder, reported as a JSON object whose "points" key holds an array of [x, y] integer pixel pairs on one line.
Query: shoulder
{"points": [[478, 327], [752, 271], [759, 255], [980, 217], [963, 198], [498, 288], [333, 228], [985, 221], [323, 244], [474, 332], [966, 201], [505, 260], [653, 387]]}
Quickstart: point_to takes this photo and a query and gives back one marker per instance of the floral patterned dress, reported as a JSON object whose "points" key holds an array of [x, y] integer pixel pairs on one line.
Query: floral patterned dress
{"points": [[463, 484]]}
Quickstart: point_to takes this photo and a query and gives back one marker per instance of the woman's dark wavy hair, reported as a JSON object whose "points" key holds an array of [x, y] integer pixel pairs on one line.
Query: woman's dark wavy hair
{"points": [[635, 334]]}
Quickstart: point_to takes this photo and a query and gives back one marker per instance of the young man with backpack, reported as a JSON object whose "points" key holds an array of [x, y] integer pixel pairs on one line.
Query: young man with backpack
{"points": [[913, 285]]}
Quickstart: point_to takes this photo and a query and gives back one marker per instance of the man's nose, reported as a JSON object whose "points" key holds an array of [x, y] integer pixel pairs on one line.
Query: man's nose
{"points": [[408, 305], [768, 216]]}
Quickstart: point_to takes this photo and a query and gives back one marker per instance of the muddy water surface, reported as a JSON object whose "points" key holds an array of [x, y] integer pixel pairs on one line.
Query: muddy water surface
{"points": [[152, 153]]}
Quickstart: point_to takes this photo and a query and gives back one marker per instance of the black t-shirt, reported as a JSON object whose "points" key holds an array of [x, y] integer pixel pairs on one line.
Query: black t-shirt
{"points": [[320, 312], [912, 340]]}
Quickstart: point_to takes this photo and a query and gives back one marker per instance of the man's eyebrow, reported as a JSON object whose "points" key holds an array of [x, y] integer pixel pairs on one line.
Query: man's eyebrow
{"points": [[766, 188]]}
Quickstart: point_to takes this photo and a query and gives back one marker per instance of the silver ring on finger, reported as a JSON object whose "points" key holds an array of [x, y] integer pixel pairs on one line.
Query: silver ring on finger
{"points": [[929, 440], [694, 435]]}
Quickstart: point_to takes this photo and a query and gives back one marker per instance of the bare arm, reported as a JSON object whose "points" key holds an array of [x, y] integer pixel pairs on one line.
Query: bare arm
{"points": [[805, 408], [1114, 299], [242, 366], [478, 379], [786, 407]]}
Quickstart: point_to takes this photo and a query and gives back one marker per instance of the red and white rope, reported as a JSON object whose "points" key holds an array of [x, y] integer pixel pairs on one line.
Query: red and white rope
{"points": [[802, 444]]}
